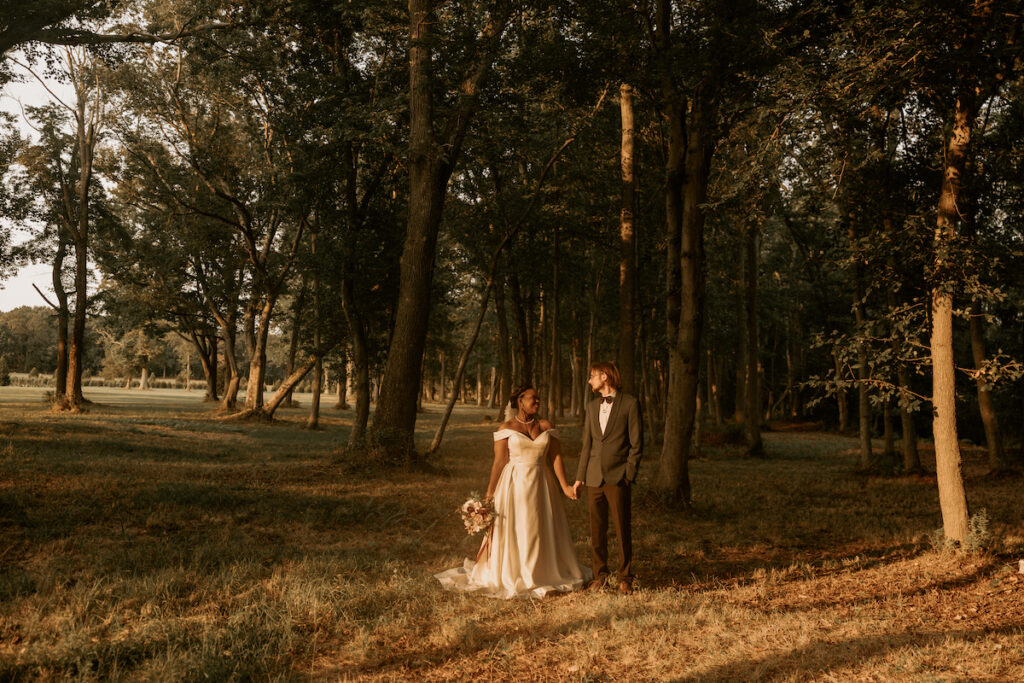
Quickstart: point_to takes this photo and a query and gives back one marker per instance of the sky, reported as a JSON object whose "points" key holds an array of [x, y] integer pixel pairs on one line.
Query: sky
{"points": [[17, 290]]}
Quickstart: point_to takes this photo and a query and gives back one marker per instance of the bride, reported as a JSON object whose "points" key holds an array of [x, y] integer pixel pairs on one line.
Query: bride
{"points": [[528, 552]]}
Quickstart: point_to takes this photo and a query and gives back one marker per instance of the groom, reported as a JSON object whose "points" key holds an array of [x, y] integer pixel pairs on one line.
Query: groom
{"points": [[612, 446]]}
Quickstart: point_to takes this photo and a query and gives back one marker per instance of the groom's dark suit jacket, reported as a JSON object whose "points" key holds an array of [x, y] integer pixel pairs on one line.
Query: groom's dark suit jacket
{"points": [[614, 455]]}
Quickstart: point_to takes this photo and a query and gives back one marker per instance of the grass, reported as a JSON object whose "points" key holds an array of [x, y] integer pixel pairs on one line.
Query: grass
{"points": [[145, 540]]}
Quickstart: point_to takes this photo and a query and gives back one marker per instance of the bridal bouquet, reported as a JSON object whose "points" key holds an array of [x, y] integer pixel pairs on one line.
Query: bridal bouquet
{"points": [[477, 515]]}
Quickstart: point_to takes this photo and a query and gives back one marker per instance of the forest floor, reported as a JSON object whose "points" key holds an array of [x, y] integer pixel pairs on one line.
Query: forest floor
{"points": [[146, 540]]}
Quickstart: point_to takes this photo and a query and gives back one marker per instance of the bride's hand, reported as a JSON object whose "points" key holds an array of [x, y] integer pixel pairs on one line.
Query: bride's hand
{"points": [[569, 491]]}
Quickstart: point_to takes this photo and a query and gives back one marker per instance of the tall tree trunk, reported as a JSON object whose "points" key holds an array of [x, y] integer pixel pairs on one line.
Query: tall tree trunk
{"points": [[293, 346], [948, 467], [314, 405], [740, 402], [523, 336], [342, 402], [841, 398], [993, 435], [888, 431], [504, 351], [258, 356], [687, 173], [430, 165], [908, 433], [752, 425], [627, 240], [206, 348], [318, 368], [360, 361], [76, 351], [555, 370], [233, 378], [78, 225], [63, 315], [863, 373]]}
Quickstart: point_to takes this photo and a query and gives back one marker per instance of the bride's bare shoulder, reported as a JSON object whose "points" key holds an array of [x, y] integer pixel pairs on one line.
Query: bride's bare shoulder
{"points": [[506, 425], [546, 425]]}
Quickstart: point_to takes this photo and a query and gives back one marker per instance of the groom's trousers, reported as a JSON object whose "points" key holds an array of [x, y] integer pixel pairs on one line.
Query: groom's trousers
{"points": [[610, 500]]}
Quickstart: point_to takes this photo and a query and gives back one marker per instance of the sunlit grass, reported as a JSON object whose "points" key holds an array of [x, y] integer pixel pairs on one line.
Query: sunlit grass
{"points": [[146, 540]]}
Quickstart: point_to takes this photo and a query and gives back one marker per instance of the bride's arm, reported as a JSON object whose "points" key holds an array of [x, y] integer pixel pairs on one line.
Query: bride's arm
{"points": [[555, 458], [500, 460]]}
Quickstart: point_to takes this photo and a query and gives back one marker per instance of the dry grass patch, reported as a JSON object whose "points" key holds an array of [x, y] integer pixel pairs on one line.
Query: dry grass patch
{"points": [[156, 543]]}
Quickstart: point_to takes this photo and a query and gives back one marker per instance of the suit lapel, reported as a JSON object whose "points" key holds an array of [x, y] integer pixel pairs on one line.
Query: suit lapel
{"points": [[612, 416], [595, 416]]}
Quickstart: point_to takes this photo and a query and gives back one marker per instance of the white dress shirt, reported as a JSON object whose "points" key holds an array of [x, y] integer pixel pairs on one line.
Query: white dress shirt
{"points": [[602, 416]]}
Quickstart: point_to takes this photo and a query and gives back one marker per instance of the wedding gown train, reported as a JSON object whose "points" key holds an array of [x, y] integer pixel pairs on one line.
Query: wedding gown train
{"points": [[529, 552]]}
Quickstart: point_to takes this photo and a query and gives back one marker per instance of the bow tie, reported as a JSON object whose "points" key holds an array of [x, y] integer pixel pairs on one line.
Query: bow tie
{"points": [[607, 399]]}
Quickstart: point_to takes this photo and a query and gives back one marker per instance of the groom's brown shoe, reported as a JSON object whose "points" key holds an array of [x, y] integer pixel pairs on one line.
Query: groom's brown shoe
{"points": [[597, 584], [625, 588]]}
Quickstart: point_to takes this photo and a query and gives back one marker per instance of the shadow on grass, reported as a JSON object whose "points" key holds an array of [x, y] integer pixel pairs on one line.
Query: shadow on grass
{"points": [[823, 656], [476, 637]]}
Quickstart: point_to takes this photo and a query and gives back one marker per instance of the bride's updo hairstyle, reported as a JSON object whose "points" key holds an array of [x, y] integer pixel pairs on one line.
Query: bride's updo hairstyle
{"points": [[513, 400]]}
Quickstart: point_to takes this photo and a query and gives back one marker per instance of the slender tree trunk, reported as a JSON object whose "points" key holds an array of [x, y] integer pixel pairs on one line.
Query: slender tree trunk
{"points": [[554, 399], [492, 389], [293, 346], [687, 174], [461, 371], [76, 351], [233, 377], [752, 426], [430, 165], [523, 336], [863, 373], [210, 369], [993, 435], [740, 403], [888, 431], [504, 350], [716, 394], [360, 362], [258, 357], [948, 467], [908, 433], [342, 403], [314, 405], [78, 226], [841, 400], [267, 410], [63, 315], [627, 239]]}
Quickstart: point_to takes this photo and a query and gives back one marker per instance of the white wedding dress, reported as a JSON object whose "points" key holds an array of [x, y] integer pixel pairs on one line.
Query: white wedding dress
{"points": [[529, 551]]}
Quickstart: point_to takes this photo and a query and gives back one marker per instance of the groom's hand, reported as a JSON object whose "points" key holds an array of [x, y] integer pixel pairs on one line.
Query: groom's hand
{"points": [[576, 488]]}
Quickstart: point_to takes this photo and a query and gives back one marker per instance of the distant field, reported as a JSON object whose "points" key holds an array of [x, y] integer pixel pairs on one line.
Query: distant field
{"points": [[146, 540]]}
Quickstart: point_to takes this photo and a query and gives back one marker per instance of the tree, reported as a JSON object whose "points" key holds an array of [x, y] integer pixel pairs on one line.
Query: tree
{"points": [[75, 179], [432, 158]]}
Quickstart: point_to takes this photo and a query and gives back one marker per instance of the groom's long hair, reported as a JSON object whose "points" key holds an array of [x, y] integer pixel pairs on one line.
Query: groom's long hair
{"points": [[611, 370]]}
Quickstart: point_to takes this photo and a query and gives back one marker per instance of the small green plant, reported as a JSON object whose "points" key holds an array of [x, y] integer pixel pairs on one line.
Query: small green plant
{"points": [[979, 537]]}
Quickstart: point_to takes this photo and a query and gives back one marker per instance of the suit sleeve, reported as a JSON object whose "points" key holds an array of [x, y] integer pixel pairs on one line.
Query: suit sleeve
{"points": [[636, 441], [581, 467]]}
